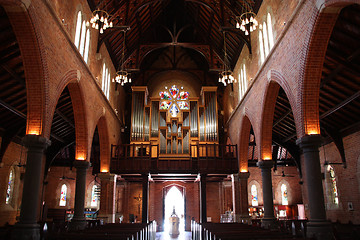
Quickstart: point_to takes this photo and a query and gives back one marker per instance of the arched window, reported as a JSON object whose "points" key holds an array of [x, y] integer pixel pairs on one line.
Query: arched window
{"points": [[94, 196], [82, 38], [78, 30], [63, 195], [105, 84], [87, 45], [10, 187], [254, 196], [334, 192], [261, 44], [270, 31], [242, 82], [284, 195], [108, 85], [266, 38]]}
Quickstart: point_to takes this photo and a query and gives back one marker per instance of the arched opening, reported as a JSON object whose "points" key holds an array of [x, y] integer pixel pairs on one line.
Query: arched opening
{"points": [[174, 200]]}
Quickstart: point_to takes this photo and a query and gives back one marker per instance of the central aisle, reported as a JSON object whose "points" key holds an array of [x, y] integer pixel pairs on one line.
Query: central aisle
{"points": [[166, 236]]}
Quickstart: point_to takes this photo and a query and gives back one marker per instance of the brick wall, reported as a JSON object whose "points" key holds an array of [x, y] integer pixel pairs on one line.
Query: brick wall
{"points": [[9, 212], [347, 179]]}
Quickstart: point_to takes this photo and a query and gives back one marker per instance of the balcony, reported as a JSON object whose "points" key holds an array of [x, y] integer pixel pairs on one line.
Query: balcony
{"points": [[145, 158]]}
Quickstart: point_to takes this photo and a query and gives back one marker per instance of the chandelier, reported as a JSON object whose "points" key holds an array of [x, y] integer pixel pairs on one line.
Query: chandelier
{"points": [[226, 76], [246, 21], [122, 76], [100, 20]]}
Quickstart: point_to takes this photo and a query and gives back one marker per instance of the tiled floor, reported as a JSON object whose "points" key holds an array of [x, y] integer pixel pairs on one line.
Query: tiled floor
{"points": [[166, 236]]}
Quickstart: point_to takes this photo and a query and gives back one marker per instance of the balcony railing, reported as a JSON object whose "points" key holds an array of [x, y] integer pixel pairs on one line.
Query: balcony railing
{"points": [[145, 158]]}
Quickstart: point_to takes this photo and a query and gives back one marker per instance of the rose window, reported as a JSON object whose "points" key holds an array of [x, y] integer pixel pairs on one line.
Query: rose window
{"points": [[174, 100]]}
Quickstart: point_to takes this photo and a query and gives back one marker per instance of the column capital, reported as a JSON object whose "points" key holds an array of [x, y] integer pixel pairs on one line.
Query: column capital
{"points": [[81, 164], [265, 164], [107, 176], [36, 141], [241, 176], [312, 141]]}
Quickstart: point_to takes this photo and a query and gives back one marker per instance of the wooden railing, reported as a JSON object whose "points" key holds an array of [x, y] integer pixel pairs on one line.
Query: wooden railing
{"points": [[145, 158]]}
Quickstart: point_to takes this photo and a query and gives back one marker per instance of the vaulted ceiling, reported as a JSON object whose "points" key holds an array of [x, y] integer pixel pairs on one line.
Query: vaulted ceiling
{"points": [[159, 24]]}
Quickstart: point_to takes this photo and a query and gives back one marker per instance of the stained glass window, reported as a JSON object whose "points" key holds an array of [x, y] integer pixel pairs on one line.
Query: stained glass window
{"points": [[174, 110], [183, 105], [254, 196], [183, 96], [169, 97], [165, 105], [165, 96], [63, 195], [334, 192], [10, 186], [174, 91], [284, 195], [94, 196]]}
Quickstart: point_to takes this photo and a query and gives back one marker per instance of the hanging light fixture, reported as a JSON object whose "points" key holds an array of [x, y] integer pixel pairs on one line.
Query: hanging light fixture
{"points": [[246, 21], [226, 76], [122, 76], [100, 20]]}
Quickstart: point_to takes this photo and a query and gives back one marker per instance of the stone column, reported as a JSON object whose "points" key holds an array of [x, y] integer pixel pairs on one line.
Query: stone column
{"points": [[107, 197], [203, 217], [78, 222], [145, 198], [240, 197], [27, 227], [269, 219], [317, 226]]}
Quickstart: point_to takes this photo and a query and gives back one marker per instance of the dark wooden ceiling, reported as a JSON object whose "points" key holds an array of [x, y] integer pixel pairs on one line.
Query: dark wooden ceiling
{"points": [[196, 24]]}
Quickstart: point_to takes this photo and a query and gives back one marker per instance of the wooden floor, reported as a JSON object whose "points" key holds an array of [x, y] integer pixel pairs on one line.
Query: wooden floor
{"points": [[165, 236]]}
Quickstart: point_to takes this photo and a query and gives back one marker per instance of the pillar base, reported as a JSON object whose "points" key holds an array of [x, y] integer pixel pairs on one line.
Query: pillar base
{"points": [[23, 231], [269, 223], [77, 224], [320, 230]]}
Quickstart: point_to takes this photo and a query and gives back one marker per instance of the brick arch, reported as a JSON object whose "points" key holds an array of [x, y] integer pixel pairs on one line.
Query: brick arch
{"points": [[319, 35], [103, 131], [275, 82], [24, 22], [243, 149], [69, 76], [81, 125], [265, 142], [179, 186]]}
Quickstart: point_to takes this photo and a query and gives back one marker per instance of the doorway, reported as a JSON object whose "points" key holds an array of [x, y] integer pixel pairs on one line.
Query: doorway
{"points": [[174, 199]]}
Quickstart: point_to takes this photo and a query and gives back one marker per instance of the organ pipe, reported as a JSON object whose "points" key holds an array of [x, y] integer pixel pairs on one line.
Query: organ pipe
{"points": [[155, 119], [194, 119]]}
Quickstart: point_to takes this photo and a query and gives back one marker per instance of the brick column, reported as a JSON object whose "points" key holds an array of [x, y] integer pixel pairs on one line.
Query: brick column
{"points": [[27, 227], [317, 226], [268, 220], [78, 222], [107, 197], [240, 197], [203, 217]]}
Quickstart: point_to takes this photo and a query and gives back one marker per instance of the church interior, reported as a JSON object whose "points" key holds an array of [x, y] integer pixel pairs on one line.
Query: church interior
{"points": [[224, 119]]}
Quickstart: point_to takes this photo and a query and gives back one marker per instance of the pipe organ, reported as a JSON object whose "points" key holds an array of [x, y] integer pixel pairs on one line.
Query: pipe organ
{"points": [[173, 120]]}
